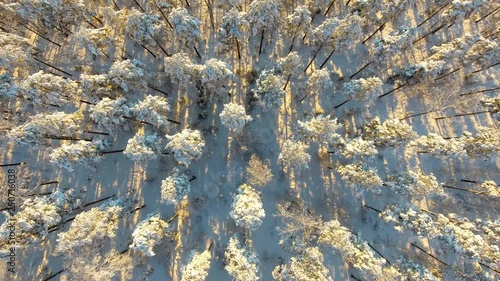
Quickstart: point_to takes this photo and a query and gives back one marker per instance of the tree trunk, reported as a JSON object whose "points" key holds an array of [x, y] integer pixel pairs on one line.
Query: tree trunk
{"points": [[238, 49], [162, 49], [287, 80], [187, 3], [447, 74], [49, 65], [98, 201], [463, 180], [373, 34], [429, 33], [488, 267], [312, 60], [393, 90], [96, 133], [192, 179], [12, 164], [432, 256], [347, 3], [53, 275], [415, 115], [291, 46], [163, 15], [112, 151], [474, 72], [463, 114], [65, 138], [138, 5], [362, 68], [355, 278], [481, 91], [173, 121], [370, 207], [149, 51], [91, 24], [197, 53], [138, 208], [488, 14], [157, 90], [261, 41], [388, 262], [462, 189], [116, 5], [303, 98], [329, 7], [339, 105], [433, 14], [49, 182], [39, 34], [327, 59]]}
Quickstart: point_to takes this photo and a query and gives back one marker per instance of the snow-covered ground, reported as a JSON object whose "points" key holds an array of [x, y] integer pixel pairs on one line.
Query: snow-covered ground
{"points": [[297, 153]]}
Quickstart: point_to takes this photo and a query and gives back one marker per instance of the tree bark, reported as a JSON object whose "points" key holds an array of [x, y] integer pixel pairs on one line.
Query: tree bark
{"points": [[287, 80], [415, 115], [327, 59], [447, 74], [261, 41], [463, 180], [312, 60], [376, 251], [433, 14], [157, 90], [339, 105], [112, 151], [370, 207], [481, 91], [373, 34], [49, 65], [463, 114], [49, 182], [362, 68], [329, 7], [149, 51], [395, 89], [291, 46], [197, 53], [432, 256], [53, 275], [238, 49], [161, 47], [39, 34], [488, 14], [138, 5], [476, 71], [12, 164], [98, 201], [96, 133]]}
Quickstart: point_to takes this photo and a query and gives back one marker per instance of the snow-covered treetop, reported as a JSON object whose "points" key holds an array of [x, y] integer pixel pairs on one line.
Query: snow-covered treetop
{"points": [[148, 233], [175, 187], [89, 229], [299, 22], [242, 262], [321, 129], [42, 87], [492, 104], [366, 90], [8, 88], [94, 87], [290, 64], [216, 76], [372, 9], [15, 51], [360, 177], [336, 236], [414, 271], [391, 132], [394, 43], [186, 27], [307, 266], [42, 125], [294, 155], [146, 28], [359, 149], [319, 82], [483, 52], [83, 152], [316, 6], [143, 147], [339, 34], [109, 114], [234, 117], [424, 70], [392, 8], [457, 48], [233, 25], [152, 109], [187, 146], [491, 188], [485, 144], [269, 90], [180, 68], [247, 209], [263, 15], [127, 74], [460, 9], [408, 218], [94, 40], [197, 268], [438, 146], [32, 222], [414, 184]]}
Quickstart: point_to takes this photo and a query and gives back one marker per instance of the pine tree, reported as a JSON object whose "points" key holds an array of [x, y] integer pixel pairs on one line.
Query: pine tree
{"points": [[148, 233], [298, 24], [288, 66], [15, 52], [321, 129], [180, 68], [175, 187], [143, 147], [146, 29], [319, 82], [96, 87], [186, 27], [294, 155], [198, 266], [247, 209], [268, 90], [127, 74], [42, 87], [438, 146], [216, 77], [359, 150], [152, 109], [233, 27], [485, 144], [395, 43], [109, 114], [414, 184], [307, 266], [389, 133], [95, 41], [187, 146], [83, 152], [242, 262], [364, 90], [491, 188], [360, 177], [263, 16], [409, 218], [234, 117]]}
